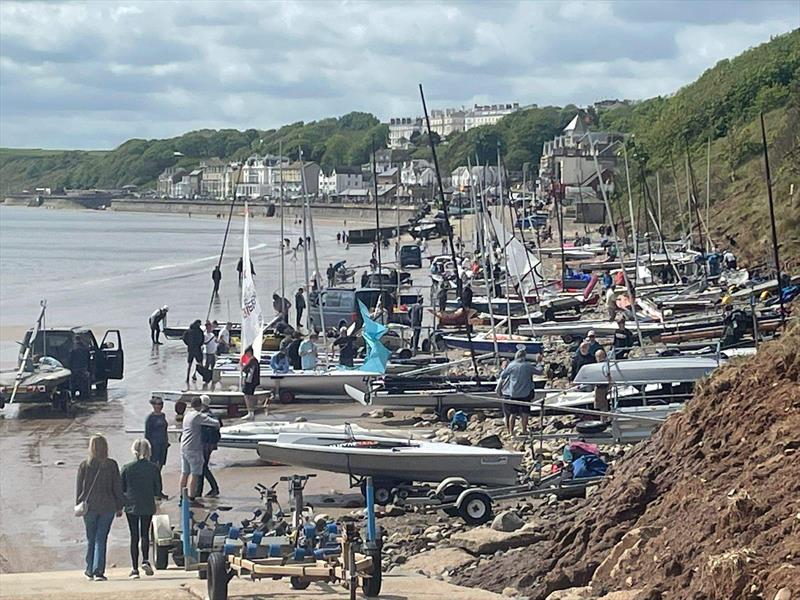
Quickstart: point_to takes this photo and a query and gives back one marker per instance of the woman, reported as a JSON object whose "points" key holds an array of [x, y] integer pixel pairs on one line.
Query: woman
{"points": [[155, 430], [100, 486], [251, 372], [141, 485]]}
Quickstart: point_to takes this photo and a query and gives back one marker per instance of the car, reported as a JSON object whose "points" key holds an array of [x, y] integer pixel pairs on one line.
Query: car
{"points": [[410, 256]]}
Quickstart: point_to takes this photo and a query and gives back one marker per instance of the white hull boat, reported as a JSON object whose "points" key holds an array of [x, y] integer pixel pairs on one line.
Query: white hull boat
{"points": [[313, 384], [393, 459], [227, 400]]}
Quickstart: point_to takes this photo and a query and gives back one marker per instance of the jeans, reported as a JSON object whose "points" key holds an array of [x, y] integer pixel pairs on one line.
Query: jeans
{"points": [[139, 527], [97, 527], [207, 474]]}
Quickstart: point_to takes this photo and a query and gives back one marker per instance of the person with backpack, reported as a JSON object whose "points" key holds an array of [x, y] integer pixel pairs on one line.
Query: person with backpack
{"points": [[98, 498], [141, 486], [211, 437], [194, 338]]}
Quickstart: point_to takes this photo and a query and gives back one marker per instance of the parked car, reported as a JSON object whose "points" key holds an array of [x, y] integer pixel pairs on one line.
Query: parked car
{"points": [[410, 256]]}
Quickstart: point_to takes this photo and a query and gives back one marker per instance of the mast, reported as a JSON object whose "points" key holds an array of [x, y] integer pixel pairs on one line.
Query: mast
{"points": [[283, 235], [503, 223], [772, 217], [658, 196], [634, 236], [316, 260], [305, 237], [708, 195], [377, 212]]}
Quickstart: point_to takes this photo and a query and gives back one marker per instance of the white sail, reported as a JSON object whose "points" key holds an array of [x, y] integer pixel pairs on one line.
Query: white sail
{"points": [[252, 317], [522, 265]]}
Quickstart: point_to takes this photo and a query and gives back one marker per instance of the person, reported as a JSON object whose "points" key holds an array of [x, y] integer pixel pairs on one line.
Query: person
{"points": [[594, 345], [330, 272], [607, 281], [300, 306], [141, 486], [299, 243], [516, 383], [338, 237], [347, 352], [194, 339], [611, 302], [415, 315], [444, 245], [251, 372], [224, 339], [158, 321], [293, 351], [155, 432], [498, 286], [240, 268], [441, 297], [210, 437], [192, 447], [279, 363], [623, 340], [308, 352], [729, 260], [580, 358], [210, 345], [466, 297], [281, 306], [601, 391], [79, 363], [100, 487], [216, 277]]}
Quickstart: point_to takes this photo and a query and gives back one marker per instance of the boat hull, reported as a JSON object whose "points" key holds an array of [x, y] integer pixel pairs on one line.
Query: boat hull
{"points": [[504, 347]]}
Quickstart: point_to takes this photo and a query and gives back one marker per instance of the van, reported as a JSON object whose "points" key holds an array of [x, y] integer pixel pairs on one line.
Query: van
{"points": [[410, 256], [340, 306]]}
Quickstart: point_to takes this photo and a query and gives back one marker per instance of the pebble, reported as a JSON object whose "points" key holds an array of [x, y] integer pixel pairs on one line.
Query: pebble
{"points": [[783, 594]]}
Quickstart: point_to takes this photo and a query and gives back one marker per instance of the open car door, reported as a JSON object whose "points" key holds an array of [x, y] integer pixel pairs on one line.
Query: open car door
{"points": [[111, 347]]}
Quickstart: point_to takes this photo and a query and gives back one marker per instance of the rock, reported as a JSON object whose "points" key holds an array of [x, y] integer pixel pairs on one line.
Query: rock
{"points": [[484, 540], [300, 420], [552, 499], [578, 593], [783, 594], [59, 463], [629, 545], [437, 561], [462, 441], [507, 521], [390, 510], [425, 410], [491, 441], [510, 592]]}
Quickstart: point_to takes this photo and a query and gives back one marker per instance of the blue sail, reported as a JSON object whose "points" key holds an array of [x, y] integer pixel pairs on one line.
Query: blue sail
{"points": [[377, 354]]}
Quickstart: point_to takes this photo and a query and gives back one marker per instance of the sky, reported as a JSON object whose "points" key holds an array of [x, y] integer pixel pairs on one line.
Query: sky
{"points": [[91, 75]]}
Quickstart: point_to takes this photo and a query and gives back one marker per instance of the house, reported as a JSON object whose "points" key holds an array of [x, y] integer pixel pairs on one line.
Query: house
{"points": [[484, 177], [447, 121], [488, 115], [417, 172], [213, 183], [261, 176], [298, 180], [341, 178], [390, 176], [167, 180]]}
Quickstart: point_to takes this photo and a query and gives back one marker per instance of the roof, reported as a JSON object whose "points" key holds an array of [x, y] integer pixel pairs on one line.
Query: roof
{"points": [[575, 126], [347, 170], [663, 369]]}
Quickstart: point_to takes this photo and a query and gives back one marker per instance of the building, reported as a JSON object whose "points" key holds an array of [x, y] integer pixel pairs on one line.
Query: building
{"points": [[447, 121], [294, 176], [402, 128], [417, 172], [487, 115], [485, 176], [213, 183], [167, 180], [341, 178], [261, 176]]}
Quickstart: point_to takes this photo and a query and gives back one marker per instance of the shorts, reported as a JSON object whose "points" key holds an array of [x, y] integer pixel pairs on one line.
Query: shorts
{"points": [[196, 356], [516, 409], [192, 464]]}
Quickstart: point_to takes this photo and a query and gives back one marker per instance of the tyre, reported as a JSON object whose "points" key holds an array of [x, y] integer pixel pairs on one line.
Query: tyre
{"points": [[179, 560], [160, 556], [101, 386], [372, 585], [382, 492], [286, 397], [299, 583], [475, 508], [426, 345], [405, 353], [217, 573]]}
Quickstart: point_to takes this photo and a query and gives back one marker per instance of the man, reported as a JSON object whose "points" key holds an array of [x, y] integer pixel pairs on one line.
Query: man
{"points": [[601, 391], [466, 297], [516, 383], [210, 437], [279, 363], [79, 364], [729, 260], [623, 340], [611, 302], [216, 277], [347, 352], [594, 345], [210, 346], [251, 379], [330, 273], [292, 351], [415, 315], [194, 340], [281, 306], [300, 306], [155, 432], [308, 352], [441, 297], [192, 447], [582, 357], [158, 317]]}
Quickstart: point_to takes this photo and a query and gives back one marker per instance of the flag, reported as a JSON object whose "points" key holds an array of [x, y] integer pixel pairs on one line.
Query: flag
{"points": [[252, 317], [377, 354]]}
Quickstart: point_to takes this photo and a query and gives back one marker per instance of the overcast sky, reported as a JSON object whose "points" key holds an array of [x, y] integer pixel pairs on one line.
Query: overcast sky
{"points": [[93, 74]]}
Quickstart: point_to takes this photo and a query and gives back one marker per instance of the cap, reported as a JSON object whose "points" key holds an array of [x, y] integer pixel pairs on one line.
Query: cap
{"points": [[205, 400], [591, 333]]}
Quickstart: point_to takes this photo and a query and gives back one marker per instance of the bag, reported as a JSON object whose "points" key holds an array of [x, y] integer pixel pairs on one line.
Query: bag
{"points": [[187, 339], [82, 507], [209, 435], [588, 465]]}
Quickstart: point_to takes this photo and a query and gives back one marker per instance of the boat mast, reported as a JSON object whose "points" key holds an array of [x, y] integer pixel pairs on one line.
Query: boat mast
{"points": [[283, 235], [708, 195], [503, 223], [305, 238], [316, 260], [377, 212], [772, 218]]}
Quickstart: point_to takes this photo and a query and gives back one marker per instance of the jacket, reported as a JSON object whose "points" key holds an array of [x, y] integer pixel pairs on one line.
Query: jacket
{"points": [[106, 495], [141, 484]]}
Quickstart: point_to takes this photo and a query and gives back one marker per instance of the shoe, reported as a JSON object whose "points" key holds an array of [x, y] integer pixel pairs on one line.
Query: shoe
{"points": [[88, 576], [148, 570], [100, 578], [213, 494], [134, 574], [194, 377]]}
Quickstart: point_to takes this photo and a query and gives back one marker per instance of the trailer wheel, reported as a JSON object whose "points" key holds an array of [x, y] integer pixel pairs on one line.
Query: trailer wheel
{"points": [[217, 576], [372, 585], [475, 508], [426, 345], [405, 354], [299, 583], [286, 397], [567, 339], [161, 556]]}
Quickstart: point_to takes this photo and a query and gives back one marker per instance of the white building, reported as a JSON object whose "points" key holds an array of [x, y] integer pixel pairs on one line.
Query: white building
{"points": [[488, 115], [484, 176], [401, 129], [447, 121], [418, 172], [261, 176], [341, 178]]}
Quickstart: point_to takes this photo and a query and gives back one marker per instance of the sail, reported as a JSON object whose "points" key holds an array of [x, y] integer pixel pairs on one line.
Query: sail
{"points": [[521, 264], [252, 317], [377, 354]]}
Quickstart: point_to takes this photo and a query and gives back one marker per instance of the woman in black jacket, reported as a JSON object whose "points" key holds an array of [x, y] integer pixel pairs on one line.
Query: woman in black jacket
{"points": [[141, 485]]}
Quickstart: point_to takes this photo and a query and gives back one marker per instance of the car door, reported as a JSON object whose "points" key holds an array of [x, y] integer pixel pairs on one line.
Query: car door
{"points": [[111, 348]]}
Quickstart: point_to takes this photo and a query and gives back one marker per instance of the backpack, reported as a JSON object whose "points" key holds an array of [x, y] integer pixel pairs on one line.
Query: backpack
{"points": [[588, 465], [459, 421], [209, 434], [187, 338]]}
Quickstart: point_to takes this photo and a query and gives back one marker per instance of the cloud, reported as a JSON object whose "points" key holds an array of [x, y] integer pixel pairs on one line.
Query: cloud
{"points": [[93, 74]]}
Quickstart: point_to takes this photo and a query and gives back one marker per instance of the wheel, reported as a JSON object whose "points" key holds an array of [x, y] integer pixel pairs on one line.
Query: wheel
{"points": [[372, 585], [452, 491], [299, 583], [426, 345], [567, 339], [217, 576], [383, 494], [286, 397], [405, 353], [475, 508], [101, 386], [161, 555]]}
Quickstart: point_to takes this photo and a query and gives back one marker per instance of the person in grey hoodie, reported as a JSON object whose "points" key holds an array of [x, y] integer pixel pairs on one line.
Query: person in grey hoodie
{"points": [[100, 486]]}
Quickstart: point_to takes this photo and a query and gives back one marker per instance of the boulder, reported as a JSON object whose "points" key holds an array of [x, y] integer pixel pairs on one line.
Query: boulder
{"points": [[437, 561], [484, 540], [507, 521], [628, 546], [491, 441]]}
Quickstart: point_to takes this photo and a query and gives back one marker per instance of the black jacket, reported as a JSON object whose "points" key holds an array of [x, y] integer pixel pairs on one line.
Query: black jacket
{"points": [[252, 377], [141, 485]]}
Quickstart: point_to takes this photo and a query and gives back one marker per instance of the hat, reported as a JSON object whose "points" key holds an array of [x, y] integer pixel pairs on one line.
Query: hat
{"points": [[157, 400], [165, 307], [205, 400], [591, 333]]}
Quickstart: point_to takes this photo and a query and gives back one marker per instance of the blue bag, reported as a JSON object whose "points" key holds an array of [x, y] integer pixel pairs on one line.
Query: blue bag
{"points": [[588, 465]]}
